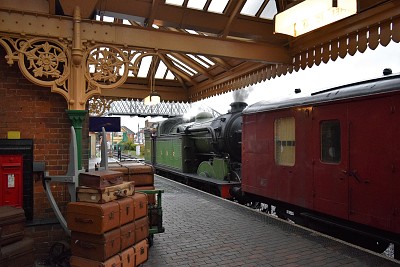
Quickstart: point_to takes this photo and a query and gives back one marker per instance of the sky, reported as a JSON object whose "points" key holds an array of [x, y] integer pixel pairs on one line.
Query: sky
{"points": [[361, 66]]}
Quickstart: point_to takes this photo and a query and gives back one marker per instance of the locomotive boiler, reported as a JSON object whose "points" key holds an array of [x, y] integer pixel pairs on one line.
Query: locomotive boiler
{"points": [[204, 152]]}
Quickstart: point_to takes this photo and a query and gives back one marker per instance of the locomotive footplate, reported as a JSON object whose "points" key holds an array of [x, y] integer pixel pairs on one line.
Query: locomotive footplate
{"points": [[217, 187]]}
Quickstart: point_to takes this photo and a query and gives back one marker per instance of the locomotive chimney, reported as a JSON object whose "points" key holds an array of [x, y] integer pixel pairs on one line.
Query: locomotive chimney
{"points": [[238, 107]]}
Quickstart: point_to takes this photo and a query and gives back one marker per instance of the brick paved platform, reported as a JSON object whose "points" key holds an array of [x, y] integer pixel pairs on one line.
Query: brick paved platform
{"points": [[203, 230]]}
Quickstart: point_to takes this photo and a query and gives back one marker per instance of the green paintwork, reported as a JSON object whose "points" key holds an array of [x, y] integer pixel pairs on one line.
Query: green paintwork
{"points": [[77, 118], [148, 147], [169, 152], [217, 168]]}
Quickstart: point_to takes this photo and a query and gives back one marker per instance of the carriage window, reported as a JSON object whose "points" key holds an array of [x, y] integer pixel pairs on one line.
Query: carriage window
{"points": [[330, 141], [285, 142]]}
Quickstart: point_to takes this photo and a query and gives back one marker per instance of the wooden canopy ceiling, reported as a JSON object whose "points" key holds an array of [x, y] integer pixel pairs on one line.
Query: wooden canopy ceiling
{"points": [[199, 51]]}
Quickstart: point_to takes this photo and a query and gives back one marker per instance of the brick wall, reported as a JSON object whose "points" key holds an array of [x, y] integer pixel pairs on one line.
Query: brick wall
{"points": [[39, 115]]}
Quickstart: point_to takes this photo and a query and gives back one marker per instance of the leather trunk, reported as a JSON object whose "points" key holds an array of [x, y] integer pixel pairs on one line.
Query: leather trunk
{"points": [[12, 221], [96, 247], [18, 254], [141, 252], [92, 218], [126, 210], [140, 203], [127, 235], [76, 261], [151, 197], [141, 173], [128, 257], [141, 229], [100, 179], [106, 194]]}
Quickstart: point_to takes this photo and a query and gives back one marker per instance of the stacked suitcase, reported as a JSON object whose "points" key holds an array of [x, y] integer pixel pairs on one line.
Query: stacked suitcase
{"points": [[109, 223], [142, 174], [16, 248]]}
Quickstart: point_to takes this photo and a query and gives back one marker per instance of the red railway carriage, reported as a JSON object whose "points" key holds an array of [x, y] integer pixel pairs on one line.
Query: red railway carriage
{"points": [[336, 153]]}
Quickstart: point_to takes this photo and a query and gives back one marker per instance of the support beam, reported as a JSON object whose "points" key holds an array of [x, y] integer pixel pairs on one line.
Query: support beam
{"points": [[124, 35], [235, 12], [240, 70], [136, 91]]}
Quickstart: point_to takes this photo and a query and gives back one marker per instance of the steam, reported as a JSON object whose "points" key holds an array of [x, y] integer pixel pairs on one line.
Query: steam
{"points": [[242, 94]]}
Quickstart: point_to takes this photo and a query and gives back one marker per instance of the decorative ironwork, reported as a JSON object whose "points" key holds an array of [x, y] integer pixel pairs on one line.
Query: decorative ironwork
{"points": [[106, 67], [99, 106], [42, 61], [46, 60]]}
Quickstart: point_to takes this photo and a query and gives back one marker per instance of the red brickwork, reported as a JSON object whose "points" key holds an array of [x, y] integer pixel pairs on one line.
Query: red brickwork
{"points": [[39, 115]]}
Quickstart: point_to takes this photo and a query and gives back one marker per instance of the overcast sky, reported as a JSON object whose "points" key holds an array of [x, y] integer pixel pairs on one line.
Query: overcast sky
{"points": [[361, 66]]}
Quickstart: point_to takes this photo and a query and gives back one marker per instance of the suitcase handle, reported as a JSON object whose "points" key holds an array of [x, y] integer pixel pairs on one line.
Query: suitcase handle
{"points": [[120, 193], [82, 220], [127, 210], [112, 182]]}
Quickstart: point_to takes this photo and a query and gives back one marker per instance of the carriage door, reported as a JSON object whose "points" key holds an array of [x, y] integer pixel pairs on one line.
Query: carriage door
{"points": [[371, 171], [330, 160]]}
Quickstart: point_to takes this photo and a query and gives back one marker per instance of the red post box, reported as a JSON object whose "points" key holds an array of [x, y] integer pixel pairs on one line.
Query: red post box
{"points": [[11, 186]]}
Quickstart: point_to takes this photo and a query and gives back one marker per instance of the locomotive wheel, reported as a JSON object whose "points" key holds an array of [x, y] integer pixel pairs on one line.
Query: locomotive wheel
{"points": [[235, 176]]}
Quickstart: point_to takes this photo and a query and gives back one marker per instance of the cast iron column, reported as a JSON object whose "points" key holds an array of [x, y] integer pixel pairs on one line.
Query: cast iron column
{"points": [[77, 118]]}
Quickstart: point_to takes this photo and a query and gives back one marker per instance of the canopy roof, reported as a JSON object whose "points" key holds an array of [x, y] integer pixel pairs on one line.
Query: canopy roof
{"points": [[194, 49]]}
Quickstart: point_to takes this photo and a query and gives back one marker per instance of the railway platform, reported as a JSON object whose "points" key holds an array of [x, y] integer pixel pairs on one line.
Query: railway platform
{"points": [[204, 230]]}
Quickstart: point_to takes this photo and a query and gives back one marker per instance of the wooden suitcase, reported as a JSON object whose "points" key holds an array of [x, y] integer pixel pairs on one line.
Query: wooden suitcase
{"points": [[12, 221], [19, 253], [141, 229], [140, 203], [140, 173], [92, 218], [106, 194], [76, 261], [127, 235], [96, 247], [100, 179], [151, 197], [126, 210], [128, 257], [141, 252]]}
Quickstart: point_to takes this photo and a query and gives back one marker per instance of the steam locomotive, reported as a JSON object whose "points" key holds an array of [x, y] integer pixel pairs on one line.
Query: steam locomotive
{"points": [[330, 161], [204, 152]]}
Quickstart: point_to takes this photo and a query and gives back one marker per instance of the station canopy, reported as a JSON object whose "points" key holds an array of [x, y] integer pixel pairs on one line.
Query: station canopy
{"points": [[193, 49]]}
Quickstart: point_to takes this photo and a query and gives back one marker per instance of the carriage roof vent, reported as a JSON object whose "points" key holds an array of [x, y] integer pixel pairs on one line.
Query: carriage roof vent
{"points": [[387, 71]]}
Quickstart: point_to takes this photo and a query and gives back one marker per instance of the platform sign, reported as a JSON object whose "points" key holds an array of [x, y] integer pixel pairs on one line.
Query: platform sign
{"points": [[110, 124]]}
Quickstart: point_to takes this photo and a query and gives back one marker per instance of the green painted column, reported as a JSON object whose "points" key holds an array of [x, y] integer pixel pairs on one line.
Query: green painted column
{"points": [[77, 118]]}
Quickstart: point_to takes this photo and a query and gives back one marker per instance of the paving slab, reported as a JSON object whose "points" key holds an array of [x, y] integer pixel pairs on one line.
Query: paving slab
{"points": [[204, 230]]}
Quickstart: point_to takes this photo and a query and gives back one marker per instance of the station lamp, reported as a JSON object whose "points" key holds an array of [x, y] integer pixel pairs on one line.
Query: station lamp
{"points": [[153, 98], [313, 14]]}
